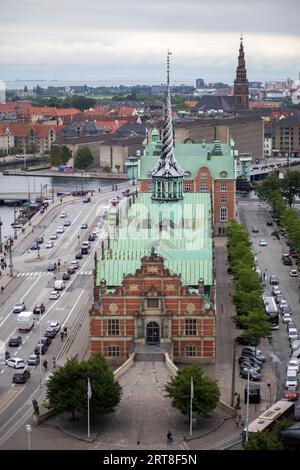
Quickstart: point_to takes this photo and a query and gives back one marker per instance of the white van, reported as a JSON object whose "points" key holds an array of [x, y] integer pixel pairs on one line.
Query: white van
{"points": [[59, 285], [291, 378]]}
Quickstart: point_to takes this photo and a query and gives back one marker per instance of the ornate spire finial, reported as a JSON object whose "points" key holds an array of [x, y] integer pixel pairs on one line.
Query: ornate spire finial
{"points": [[169, 53], [241, 37]]}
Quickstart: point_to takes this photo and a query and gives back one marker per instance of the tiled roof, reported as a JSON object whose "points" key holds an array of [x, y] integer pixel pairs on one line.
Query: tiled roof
{"points": [[187, 251], [23, 130], [111, 125]]}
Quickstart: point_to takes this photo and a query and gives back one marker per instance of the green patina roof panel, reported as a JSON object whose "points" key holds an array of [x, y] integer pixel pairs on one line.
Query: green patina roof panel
{"points": [[187, 249]]}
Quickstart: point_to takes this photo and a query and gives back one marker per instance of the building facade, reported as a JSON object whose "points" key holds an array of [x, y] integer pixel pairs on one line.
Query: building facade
{"points": [[286, 137], [153, 306]]}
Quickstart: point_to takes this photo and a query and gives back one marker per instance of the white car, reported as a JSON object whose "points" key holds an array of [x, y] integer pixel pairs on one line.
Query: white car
{"points": [[49, 244], [60, 230], [54, 295], [75, 264], [286, 318], [63, 215], [276, 290], [293, 273], [54, 325], [53, 236], [262, 242], [293, 364], [96, 230], [15, 362]]}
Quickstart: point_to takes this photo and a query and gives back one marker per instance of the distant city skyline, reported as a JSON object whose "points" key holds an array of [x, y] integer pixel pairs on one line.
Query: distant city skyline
{"points": [[118, 42]]}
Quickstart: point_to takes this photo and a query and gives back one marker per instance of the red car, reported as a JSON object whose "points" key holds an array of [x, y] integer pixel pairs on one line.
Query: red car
{"points": [[291, 394]]}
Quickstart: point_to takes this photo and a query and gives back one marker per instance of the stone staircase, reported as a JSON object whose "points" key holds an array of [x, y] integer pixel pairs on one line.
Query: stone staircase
{"points": [[149, 357]]}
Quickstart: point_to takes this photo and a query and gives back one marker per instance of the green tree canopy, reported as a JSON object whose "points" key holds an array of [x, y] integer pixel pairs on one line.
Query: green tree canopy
{"points": [[257, 326], [67, 388], [83, 158], [269, 440], [291, 186], [206, 390]]}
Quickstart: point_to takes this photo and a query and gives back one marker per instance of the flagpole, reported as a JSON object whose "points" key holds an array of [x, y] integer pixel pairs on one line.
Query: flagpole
{"points": [[191, 407], [89, 393]]}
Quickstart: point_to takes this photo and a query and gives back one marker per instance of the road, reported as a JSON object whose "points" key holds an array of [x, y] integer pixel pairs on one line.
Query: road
{"points": [[32, 284], [251, 214]]}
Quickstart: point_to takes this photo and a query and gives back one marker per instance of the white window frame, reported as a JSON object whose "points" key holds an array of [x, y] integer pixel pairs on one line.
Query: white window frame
{"points": [[223, 187], [223, 209], [113, 327], [204, 187], [190, 350], [187, 187], [223, 199], [113, 351], [204, 176], [190, 327]]}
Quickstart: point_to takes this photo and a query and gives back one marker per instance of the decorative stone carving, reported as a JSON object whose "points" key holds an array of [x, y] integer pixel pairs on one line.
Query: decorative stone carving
{"points": [[113, 308], [190, 308]]}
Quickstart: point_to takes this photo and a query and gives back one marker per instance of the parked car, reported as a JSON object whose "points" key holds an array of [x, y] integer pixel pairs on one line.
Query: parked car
{"points": [[91, 238], [255, 230], [49, 244], [15, 362], [53, 236], [288, 261], [293, 273], [71, 270], [84, 225], [55, 325], [40, 348], [248, 365], [86, 199], [252, 350], [15, 341], [40, 240], [49, 333], [52, 266], [262, 242], [291, 394], [66, 276], [286, 309], [34, 246], [46, 340], [21, 376], [278, 298], [276, 290], [63, 215], [293, 364], [78, 255], [269, 222], [39, 309], [54, 295], [295, 347], [19, 307], [253, 375], [67, 223], [60, 230], [286, 318], [75, 264], [252, 360], [33, 360]]}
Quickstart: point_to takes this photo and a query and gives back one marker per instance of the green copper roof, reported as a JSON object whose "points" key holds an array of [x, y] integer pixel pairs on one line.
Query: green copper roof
{"points": [[187, 249], [191, 157]]}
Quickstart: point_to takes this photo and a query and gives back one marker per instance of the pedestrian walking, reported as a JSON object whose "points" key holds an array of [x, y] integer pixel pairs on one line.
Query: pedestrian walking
{"points": [[237, 420], [169, 438], [62, 335], [45, 364], [2, 289], [65, 331], [54, 362]]}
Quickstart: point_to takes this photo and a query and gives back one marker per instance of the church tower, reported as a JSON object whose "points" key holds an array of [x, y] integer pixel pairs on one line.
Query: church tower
{"points": [[241, 89], [167, 175]]}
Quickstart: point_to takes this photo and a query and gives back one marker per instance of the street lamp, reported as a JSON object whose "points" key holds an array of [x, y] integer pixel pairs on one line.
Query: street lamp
{"points": [[270, 391], [1, 223], [15, 228], [233, 373], [38, 250], [247, 409], [28, 430]]}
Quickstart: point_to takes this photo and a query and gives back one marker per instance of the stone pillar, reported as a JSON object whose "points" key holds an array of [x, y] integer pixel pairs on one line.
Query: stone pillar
{"points": [[201, 286], [103, 287]]}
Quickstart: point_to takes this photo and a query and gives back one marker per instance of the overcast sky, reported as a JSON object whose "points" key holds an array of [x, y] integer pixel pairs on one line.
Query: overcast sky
{"points": [[126, 41]]}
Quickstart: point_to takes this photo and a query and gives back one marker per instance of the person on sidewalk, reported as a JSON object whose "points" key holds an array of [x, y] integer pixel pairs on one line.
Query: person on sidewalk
{"points": [[169, 438], [237, 420]]}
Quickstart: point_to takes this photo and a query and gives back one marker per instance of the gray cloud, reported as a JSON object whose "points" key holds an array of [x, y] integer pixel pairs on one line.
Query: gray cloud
{"points": [[103, 35]]}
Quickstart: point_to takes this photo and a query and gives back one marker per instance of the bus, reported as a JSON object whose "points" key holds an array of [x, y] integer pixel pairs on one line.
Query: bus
{"points": [[272, 312], [280, 409]]}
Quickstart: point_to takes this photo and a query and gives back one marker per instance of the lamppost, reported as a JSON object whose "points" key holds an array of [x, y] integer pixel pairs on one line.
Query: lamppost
{"points": [[247, 409], [28, 430], [38, 251], [15, 228], [9, 244], [270, 391], [1, 223], [233, 373]]}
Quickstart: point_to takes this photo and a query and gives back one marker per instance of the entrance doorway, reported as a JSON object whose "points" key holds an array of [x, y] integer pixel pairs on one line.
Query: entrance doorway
{"points": [[152, 333]]}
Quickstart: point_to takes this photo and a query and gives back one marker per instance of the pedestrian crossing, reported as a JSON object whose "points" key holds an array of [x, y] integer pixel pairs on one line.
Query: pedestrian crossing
{"points": [[45, 274]]}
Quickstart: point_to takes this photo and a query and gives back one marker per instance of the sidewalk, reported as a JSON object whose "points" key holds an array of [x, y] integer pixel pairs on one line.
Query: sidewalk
{"points": [[226, 332]]}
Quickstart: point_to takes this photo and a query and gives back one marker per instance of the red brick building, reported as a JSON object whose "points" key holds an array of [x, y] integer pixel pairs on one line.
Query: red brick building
{"points": [[153, 306]]}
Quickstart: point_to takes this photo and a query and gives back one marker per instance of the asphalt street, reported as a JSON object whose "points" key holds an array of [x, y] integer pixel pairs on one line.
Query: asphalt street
{"points": [[255, 214], [32, 284]]}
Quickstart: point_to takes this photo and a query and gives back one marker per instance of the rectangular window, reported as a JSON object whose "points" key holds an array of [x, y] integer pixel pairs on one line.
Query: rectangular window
{"points": [[113, 351], [190, 350], [223, 199], [152, 303], [190, 327], [203, 176], [203, 187], [113, 327], [187, 188], [223, 214], [223, 187]]}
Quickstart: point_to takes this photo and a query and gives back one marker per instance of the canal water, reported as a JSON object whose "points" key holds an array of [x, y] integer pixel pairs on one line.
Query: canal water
{"points": [[37, 184]]}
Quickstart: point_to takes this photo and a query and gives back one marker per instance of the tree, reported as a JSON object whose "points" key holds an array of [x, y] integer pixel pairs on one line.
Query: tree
{"points": [[257, 326], [271, 183], [291, 186], [67, 388], [66, 154], [269, 440], [206, 390], [83, 158], [117, 167], [55, 155]]}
